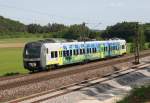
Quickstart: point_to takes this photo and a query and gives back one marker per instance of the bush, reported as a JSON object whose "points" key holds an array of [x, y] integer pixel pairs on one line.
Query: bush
{"points": [[11, 74], [138, 95]]}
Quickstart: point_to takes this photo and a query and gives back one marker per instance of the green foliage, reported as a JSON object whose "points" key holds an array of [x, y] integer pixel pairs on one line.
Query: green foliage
{"points": [[7, 25], [138, 95], [11, 74], [14, 29], [124, 30]]}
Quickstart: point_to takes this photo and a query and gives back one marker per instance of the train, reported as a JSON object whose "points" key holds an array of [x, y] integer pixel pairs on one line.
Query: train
{"points": [[49, 53]]}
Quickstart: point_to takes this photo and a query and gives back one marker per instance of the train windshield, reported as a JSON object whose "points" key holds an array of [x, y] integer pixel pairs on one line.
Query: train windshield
{"points": [[32, 51]]}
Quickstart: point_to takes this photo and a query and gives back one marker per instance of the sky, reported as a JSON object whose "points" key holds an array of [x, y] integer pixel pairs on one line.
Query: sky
{"points": [[97, 14]]}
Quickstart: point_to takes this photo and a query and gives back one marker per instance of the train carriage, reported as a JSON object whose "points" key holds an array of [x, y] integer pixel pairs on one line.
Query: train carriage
{"points": [[41, 55]]}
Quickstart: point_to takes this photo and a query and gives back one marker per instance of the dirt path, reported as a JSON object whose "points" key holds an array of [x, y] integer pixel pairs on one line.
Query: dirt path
{"points": [[12, 45]]}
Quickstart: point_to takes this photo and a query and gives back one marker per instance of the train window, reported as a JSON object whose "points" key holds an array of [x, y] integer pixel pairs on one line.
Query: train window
{"points": [[102, 49], [77, 52], [74, 52], [70, 52], [105, 48], [64, 53], [114, 47], [123, 46], [93, 50], [88, 50], [56, 54], [83, 51], [110, 48], [52, 54], [67, 53]]}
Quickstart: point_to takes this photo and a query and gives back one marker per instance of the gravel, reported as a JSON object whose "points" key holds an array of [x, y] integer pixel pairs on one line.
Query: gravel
{"points": [[17, 92], [24, 90], [100, 93]]}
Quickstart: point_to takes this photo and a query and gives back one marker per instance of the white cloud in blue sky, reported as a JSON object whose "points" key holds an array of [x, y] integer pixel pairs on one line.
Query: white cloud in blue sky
{"points": [[106, 12]]}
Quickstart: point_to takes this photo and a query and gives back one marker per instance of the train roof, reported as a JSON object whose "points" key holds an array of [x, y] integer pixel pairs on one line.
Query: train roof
{"points": [[64, 41]]}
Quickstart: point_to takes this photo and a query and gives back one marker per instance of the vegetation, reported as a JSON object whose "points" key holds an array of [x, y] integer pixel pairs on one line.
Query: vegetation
{"points": [[138, 95], [11, 61], [10, 28], [15, 32], [19, 40], [124, 30]]}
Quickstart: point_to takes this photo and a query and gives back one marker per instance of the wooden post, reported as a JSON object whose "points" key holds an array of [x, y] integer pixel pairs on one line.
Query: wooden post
{"points": [[137, 44]]}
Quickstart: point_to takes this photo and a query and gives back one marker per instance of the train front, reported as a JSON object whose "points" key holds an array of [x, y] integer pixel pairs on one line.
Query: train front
{"points": [[31, 56]]}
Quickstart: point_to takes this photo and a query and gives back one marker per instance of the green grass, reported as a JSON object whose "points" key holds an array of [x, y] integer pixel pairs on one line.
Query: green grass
{"points": [[19, 40], [138, 95], [11, 61]]}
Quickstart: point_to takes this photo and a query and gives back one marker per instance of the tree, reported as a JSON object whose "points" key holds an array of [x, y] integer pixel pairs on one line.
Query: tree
{"points": [[124, 30]]}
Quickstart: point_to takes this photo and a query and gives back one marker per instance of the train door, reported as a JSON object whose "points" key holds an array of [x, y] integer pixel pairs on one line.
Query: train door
{"points": [[67, 54], [110, 49], [101, 50], [106, 49]]}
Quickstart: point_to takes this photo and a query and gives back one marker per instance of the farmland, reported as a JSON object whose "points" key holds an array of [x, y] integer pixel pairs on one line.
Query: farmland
{"points": [[11, 57], [11, 61]]}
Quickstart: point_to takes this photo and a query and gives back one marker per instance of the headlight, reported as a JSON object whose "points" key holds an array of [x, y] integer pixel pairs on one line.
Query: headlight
{"points": [[32, 64]]}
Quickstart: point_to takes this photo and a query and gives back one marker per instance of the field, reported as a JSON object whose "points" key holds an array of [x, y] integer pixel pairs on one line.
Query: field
{"points": [[11, 61], [10, 57], [18, 40]]}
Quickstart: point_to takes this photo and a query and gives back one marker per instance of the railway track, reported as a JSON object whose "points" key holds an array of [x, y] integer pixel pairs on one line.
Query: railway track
{"points": [[44, 76], [40, 97], [64, 72]]}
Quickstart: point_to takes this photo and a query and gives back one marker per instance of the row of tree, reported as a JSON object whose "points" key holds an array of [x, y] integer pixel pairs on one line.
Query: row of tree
{"points": [[124, 30], [76, 31]]}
